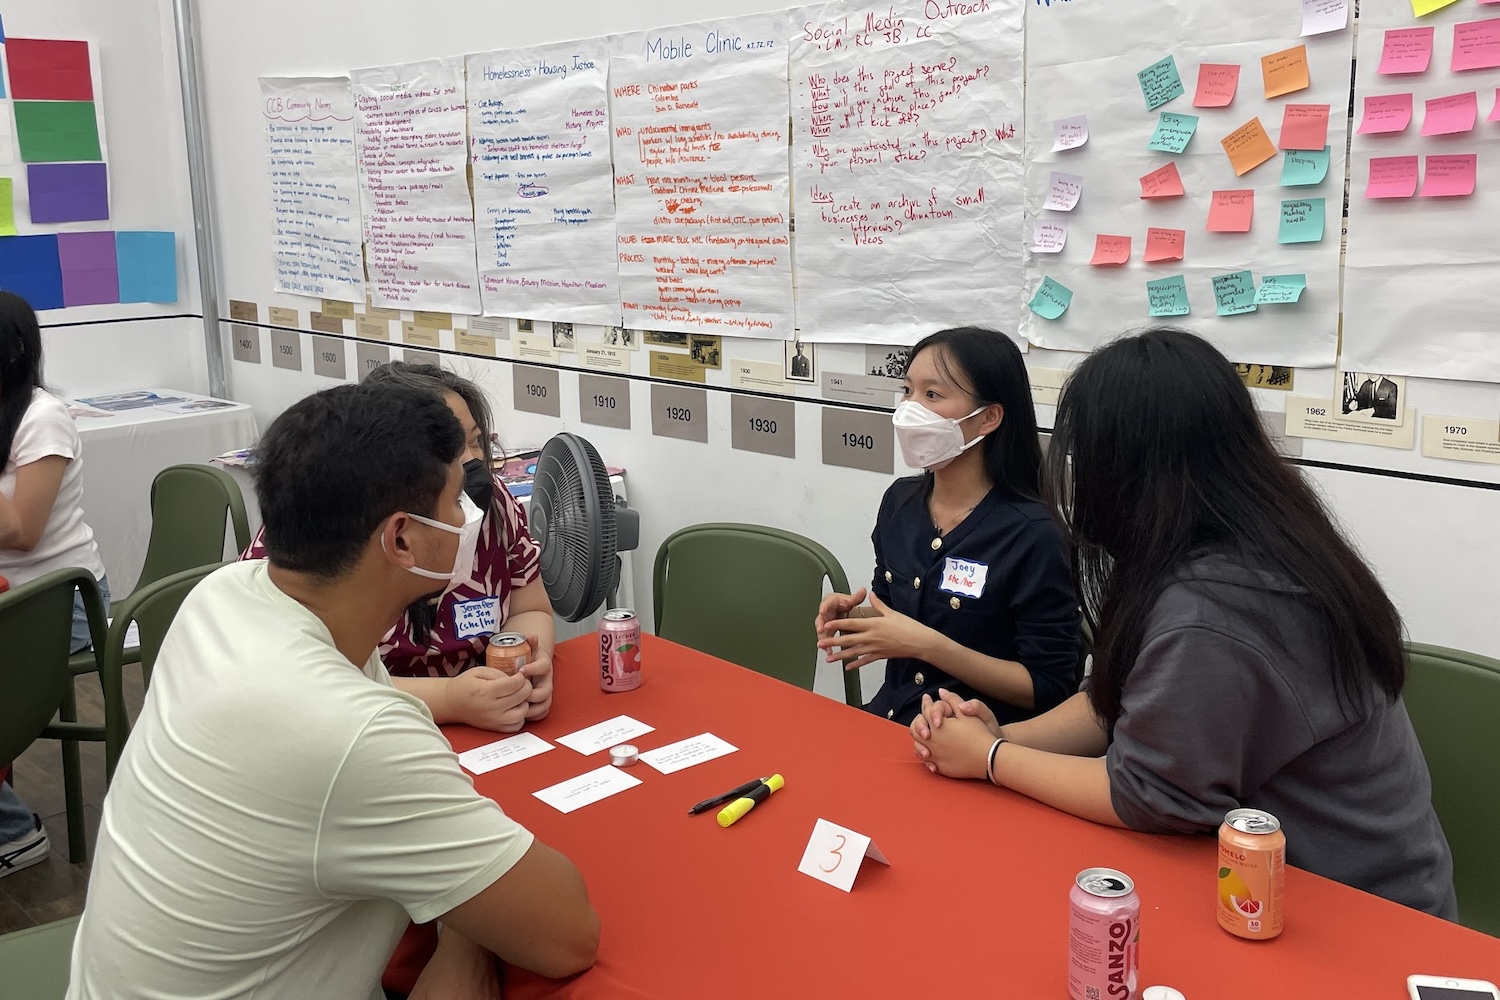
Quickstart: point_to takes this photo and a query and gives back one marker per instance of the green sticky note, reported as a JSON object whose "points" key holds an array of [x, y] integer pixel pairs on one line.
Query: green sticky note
{"points": [[1301, 221], [7, 207], [55, 131], [1173, 132], [1051, 299], [1160, 83], [1168, 296], [1304, 168], [1280, 289], [1235, 293]]}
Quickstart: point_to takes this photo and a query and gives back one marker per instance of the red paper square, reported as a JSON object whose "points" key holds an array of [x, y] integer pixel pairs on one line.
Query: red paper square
{"points": [[48, 70]]}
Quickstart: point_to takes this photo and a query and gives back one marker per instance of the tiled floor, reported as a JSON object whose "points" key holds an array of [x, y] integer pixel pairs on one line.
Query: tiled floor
{"points": [[55, 888]]}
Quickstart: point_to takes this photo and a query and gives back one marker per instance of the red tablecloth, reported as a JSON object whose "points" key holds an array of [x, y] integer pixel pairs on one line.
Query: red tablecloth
{"points": [[973, 905]]}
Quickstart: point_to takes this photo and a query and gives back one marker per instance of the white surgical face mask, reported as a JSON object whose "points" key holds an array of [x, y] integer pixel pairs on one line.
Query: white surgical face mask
{"points": [[929, 441], [468, 543]]}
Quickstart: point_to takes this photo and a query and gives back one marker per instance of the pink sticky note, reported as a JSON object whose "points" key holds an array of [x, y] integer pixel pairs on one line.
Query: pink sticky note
{"points": [[1304, 126], [1406, 50], [1386, 113], [1495, 111], [1476, 45], [1165, 244], [1164, 182], [1451, 115], [1450, 176], [1110, 250], [1231, 211], [1392, 177], [1217, 83]]}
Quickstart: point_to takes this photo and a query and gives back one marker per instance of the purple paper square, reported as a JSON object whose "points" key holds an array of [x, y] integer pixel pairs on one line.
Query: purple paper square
{"points": [[90, 274], [68, 192]]}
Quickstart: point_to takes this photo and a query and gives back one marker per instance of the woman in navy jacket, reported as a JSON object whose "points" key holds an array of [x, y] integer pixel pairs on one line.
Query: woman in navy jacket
{"points": [[973, 587]]}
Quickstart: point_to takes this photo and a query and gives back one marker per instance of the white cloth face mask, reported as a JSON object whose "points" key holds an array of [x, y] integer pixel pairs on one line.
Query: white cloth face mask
{"points": [[929, 441], [468, 543]]}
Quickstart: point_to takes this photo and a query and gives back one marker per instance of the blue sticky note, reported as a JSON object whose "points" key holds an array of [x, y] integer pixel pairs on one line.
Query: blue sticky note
{"points": [[148, 266], [31, 268], [1051, 299], [1168, 296], [1160, 83], [1280, 289], [1235, 293], [1173, 132], [1304, 168], [1301, 221]]}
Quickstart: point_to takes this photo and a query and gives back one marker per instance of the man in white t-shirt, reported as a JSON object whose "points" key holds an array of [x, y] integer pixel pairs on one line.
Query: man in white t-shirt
{"points": [[281, 811]]}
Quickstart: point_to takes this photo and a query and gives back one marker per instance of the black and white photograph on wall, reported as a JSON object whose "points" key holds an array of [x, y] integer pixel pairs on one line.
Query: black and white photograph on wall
{"points": [[623, 337], [562, 337], [706, 351], [1373, 397], [1266, 376], [884, 366], [523, 326], [658, 338], [799, 362]]}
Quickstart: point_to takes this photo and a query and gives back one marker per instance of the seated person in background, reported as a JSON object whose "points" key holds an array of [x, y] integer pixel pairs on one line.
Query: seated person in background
{"points": [[972, 587], [1245, 656], [434, 643], [281, 810], [42, 528]]}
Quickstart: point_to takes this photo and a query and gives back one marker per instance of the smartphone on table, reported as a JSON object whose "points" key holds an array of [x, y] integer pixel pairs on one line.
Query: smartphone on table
{"points": [[1449, 988]]}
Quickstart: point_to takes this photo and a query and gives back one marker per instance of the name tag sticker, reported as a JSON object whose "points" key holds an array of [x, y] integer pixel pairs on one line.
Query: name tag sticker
{"points": [[471, 618], [964, 578]]}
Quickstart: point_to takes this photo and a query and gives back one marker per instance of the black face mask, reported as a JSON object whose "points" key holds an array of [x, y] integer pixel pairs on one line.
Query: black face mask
{"points": [[479, 484]]}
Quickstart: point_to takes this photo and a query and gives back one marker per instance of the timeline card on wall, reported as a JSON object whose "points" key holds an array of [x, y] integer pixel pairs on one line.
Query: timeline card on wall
{"points": [[543, 184], [907, 159], [699, 114], [410, 130], [1216, 140], [1423, 262], [314, 186]]}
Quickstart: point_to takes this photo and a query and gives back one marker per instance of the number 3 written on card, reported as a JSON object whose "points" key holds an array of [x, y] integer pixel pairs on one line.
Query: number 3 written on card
{"points": [[826, 853], [836, 852]]}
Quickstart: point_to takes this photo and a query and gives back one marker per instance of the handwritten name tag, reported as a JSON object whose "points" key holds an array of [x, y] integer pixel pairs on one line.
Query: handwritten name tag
{"points": [[964, 578], [481, 617]]}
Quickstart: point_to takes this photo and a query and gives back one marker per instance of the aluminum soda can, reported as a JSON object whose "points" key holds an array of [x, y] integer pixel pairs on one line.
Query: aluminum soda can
{"points": [[1104, 930], [619, 650]]}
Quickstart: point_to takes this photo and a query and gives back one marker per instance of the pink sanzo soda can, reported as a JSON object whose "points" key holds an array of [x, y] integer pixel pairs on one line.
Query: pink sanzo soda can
{"points": [[1104, 931], [619, 650]]}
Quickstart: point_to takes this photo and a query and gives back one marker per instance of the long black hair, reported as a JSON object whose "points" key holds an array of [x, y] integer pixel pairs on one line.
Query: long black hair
{"points": [[1158, 453], [988, 365], [20, 366]]}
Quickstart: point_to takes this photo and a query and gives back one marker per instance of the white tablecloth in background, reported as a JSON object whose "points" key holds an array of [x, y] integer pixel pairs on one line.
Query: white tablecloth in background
{"points": [[122, 454]]}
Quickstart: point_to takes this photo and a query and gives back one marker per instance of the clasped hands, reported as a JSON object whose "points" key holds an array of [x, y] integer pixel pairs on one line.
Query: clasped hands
{"points": [[491, 699], [881, 635]]}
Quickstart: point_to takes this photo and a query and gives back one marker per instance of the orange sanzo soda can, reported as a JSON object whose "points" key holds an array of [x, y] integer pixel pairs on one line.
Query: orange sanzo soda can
{"points": [[508, 652], [1252, 874]]}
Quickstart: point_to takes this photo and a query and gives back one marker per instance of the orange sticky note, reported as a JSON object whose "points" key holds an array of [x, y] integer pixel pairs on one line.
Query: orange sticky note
{"points": [[1110, 250], [1231, 211], [1248, 147], [1164, 182], [1217, 83], [1304, 126], [1285, 72], [1165, 244]]}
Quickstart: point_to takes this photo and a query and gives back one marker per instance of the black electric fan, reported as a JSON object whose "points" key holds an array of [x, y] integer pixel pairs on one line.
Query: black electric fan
{"points": [[580, 526]]}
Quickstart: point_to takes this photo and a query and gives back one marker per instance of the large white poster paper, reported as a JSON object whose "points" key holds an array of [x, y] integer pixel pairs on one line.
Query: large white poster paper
{"points": [[701, 188], [314, 186], [543, 188], [410, 124], [1111, 62], [1422, 270], [907, 168]]}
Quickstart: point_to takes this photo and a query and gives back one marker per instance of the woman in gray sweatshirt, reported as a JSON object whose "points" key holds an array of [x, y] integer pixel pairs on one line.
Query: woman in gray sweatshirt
{"points": [[1245, 655]]}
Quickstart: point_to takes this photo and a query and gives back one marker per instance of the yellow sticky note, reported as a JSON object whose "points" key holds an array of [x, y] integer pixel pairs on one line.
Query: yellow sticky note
{"points": [[7, 208], [1285, 72], [1421, 8]]}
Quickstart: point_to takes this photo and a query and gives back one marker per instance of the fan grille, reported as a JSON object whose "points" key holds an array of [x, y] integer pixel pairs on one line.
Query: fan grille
{"points": [[573, 517]]}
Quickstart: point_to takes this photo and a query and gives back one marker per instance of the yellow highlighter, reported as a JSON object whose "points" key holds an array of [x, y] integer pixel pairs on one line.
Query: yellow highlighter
{"points": [[732, 812]]}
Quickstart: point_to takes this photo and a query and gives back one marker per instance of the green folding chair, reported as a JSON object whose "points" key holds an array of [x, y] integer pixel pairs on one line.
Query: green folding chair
{"points": [[189, 504], [36, 627], [1453, 698], [36, 960], [748, 594], [152, 608]]}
